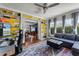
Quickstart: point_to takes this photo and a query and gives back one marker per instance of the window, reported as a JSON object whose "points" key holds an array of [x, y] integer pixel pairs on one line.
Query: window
{"points": [[51, 26], [59, 27], [68, 24], [78, 24]]}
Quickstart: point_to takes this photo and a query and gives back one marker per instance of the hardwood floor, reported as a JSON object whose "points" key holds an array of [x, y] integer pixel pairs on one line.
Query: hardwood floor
{"points": [[30, 42]]}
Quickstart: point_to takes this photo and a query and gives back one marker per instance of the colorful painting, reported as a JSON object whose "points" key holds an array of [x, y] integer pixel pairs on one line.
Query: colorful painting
{"points": [[11, 26]]}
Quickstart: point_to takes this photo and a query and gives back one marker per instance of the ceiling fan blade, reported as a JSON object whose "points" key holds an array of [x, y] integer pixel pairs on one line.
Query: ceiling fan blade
{"points": [[38, 5], [52, 5], [44, 10], [45, 4]]}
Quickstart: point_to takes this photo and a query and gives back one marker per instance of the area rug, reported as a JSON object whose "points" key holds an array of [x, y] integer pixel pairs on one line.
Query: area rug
{"points": [[38, 49], [65, 52]]}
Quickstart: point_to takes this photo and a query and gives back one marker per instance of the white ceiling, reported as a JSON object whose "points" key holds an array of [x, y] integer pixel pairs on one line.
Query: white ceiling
{"points": [[30, 22], [37, 11]]}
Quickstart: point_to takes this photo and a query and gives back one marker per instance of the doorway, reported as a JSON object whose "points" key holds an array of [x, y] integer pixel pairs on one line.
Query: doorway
{"points": [[31, 32]]}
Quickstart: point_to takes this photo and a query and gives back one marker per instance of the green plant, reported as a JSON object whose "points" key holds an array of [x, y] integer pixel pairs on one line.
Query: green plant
{"points": [[68, 29], [59, 29], [78, 29]]}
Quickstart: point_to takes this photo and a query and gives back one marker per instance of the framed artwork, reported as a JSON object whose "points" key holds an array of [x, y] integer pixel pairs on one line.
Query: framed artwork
{"points": [[6, 29]]}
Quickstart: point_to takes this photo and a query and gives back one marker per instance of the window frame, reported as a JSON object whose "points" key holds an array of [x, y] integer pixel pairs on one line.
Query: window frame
{"points": [[49, 31], [50, 27], [66, 25], [59, 19], [77, 23]]}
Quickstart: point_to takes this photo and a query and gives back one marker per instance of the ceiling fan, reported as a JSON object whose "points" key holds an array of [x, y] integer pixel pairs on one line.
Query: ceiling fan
{"points": [[45, 7]]}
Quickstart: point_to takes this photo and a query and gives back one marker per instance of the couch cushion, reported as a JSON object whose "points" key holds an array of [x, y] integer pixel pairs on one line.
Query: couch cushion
{"points": [[69, 37], [58, 35], [69, 41], [64, 40], [66, 43]]}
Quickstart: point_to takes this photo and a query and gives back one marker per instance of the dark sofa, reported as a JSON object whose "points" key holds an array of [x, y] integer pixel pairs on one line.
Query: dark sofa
{"points": [[75, 47], [67, 39]]}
